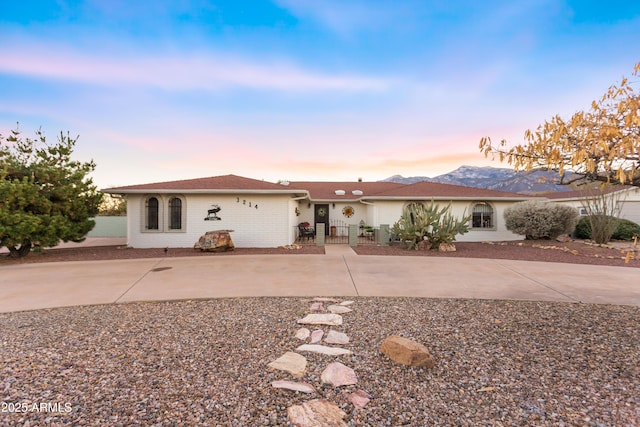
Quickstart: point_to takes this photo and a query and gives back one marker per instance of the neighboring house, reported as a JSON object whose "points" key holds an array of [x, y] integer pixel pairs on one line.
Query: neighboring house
{"points": [[627, 198], [264, 214]]}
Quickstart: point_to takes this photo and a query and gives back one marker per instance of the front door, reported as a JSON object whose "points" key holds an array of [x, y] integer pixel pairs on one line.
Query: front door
{"points": [[322, 216]]}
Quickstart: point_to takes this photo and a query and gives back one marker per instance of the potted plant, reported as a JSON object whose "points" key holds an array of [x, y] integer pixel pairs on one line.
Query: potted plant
{"points": [[369, 230]]}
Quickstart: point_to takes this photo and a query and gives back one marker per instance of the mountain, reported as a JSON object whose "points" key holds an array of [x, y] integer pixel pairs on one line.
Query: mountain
{"points": [[409, 180], [502, 179]]}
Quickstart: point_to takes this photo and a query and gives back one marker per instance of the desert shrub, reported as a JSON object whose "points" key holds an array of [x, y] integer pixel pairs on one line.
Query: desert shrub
{"points": [[583, 228], [432, 223], [540, 220], [625, 229], [597, 227], [603, 209]]}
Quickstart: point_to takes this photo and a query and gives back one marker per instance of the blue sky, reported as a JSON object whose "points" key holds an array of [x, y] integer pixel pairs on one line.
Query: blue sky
{"points": [[302, 89]]}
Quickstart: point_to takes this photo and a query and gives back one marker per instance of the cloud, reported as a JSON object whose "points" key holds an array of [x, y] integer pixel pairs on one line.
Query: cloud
{"points": [[344, 168], [346, 18], [175, 71]]}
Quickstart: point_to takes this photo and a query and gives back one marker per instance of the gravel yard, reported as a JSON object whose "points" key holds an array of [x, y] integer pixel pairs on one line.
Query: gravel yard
{"points": [[498, 363], [575, 252]]}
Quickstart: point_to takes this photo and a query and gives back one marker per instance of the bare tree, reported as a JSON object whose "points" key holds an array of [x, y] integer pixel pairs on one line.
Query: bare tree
{"points": [[603, 207], [601, 144]]}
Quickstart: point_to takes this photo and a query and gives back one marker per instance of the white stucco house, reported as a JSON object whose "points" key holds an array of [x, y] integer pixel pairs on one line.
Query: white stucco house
{"points": [[627, 200], [265, 214]]}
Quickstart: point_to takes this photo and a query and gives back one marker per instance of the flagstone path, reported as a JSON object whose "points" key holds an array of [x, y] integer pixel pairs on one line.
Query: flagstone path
{"points": [[320, 412]]}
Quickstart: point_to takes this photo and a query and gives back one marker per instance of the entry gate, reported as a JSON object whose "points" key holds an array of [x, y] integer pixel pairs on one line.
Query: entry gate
{"points": [[341, 233]]}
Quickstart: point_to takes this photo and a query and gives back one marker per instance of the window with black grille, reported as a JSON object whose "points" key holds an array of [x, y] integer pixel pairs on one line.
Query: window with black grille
{"points": [[152, 213], [175, 214], [482, 216]]}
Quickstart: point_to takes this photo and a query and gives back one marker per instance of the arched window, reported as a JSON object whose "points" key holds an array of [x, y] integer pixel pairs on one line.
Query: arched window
{"points": [[152, 214], [482, 216], [175, 213]]}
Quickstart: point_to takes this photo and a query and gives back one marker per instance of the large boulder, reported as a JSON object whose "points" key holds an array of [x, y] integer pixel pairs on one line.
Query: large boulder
{"points": [[215, 241], [407, 352]]}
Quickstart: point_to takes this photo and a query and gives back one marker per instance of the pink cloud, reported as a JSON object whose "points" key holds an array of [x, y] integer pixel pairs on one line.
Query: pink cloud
{"points": [[175, 71]]}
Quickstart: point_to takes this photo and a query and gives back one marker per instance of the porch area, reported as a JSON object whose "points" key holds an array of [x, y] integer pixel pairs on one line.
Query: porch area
{"points": [[342, 234]]}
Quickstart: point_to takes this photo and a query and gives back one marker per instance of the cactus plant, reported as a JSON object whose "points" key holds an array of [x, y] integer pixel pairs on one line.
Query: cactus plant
{"points": [[432, 223]]}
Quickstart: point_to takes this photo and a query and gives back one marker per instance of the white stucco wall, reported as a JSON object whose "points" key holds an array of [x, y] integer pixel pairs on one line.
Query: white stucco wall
{"points": [[306, 212], [293, 221], [631, 207], [336, 216], [268, 225], [630, 204], [274, 222], [361, 212], [498, 233], [390, 211]]}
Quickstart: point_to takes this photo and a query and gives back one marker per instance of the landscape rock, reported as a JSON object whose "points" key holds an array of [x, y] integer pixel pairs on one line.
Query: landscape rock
{"points": [[323, 349], [423, 245], [338, 375], [291, 362], [407, 352], [303, 334], [294, 386], [322, 319], [316, 413], [564, 238], [215, 241], [446, 247], [293, 247], [359, 398], [316, 336], [317, 306], [335, 337], [339, 309], [346, 302]]}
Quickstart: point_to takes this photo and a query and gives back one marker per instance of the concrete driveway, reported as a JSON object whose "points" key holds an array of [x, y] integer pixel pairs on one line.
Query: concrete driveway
{"points": [[340, 272]]}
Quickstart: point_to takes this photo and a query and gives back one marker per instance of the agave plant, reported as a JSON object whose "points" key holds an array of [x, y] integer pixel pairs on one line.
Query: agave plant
{"points": [[432, 223]]}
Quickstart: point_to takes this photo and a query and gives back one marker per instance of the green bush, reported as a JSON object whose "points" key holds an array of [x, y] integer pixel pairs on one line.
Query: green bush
{"points": [[625, 230], [540, 220], [583, 228]]}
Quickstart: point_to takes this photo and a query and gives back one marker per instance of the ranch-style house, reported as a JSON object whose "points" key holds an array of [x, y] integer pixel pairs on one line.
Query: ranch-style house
{"points": [[265, 214]]}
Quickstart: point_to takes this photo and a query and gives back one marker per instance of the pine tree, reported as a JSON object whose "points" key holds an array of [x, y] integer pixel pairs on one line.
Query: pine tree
{"points": [[45, 196]]}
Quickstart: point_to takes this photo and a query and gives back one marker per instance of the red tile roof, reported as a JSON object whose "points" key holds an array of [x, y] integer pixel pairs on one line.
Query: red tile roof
{"points": [[326, 190], [322, 190], [216, 183], [578, 194], [425, 189]]}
